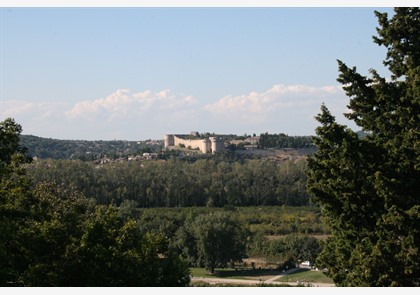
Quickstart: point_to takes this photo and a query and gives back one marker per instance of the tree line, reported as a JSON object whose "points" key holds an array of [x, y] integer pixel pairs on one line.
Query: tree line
{"points": [[283, 141], [176, 183]]}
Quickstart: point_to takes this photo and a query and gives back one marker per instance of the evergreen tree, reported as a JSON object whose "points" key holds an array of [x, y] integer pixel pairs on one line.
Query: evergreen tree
{"points": [[368, 188]]}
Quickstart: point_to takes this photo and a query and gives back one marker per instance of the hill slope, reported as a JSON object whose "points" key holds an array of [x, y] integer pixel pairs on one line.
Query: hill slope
{"points": [[45, 148]]}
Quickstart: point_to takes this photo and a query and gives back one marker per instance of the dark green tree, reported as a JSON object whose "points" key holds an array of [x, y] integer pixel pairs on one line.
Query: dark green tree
{"points": [[293, 248], [55, 221], [114, 252], [15, 202], [368, 188], [51, 235], [9, 142], [212, 240]]}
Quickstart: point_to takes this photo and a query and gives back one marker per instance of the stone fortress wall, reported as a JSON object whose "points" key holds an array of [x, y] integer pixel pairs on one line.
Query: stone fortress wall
{"points": [[205, 145]]}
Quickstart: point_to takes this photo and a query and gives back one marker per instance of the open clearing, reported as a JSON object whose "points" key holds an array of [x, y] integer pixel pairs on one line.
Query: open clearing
{"points": [[257, 277]]}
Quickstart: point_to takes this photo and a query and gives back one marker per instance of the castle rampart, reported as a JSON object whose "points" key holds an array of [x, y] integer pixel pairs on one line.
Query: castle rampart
{"points": [[205, 145]]}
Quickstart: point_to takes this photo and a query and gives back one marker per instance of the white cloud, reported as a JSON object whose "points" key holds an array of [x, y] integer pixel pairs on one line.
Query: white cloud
{"points": [[138, 115], [124, 104], [286, 108], [123, 112], [38, 118], [35, 110], [279, 97]]}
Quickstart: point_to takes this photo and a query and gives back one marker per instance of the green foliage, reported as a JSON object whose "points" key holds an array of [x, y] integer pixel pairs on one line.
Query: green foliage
{"points": [[9, 142], [67, 240], [175, 183], [299, 248], [280, 221], [259, 221], [288, 250], [368, 187], [111, 252], [51, 235], [212, 240], [15, 200], [85, 150], [284, 141], [307, 277]]}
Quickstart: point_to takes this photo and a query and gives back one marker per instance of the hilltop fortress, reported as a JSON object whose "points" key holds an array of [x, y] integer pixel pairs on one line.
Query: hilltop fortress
{"points": [[205, 145]]}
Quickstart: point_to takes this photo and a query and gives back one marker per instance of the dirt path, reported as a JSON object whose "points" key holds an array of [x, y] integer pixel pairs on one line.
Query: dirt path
{"points": [[271, 281]]}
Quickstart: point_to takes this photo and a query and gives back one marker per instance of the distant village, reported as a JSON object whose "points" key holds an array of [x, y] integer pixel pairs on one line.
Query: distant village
{"points": [[172, 145], [193, 141]]}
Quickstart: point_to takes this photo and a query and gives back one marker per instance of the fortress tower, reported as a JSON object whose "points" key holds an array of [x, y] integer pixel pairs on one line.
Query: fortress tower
{"points": [[205, 146], [169, 140], [217, 145]]}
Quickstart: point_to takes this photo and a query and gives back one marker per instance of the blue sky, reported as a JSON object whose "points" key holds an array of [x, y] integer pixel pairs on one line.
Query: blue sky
{"points": [[138, 73]]}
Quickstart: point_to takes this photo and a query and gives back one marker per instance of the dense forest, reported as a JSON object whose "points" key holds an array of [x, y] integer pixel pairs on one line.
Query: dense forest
{"points": [[283, 141], [180, 183], [174, 178]]}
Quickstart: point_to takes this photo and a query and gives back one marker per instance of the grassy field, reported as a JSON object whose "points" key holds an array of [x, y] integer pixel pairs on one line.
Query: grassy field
{"points": [[307, 276], [302, 275], [240, 274], [278, 237]]}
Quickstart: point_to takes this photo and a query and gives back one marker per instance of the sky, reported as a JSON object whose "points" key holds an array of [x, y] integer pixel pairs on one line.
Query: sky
{"points": [[137, 73]]}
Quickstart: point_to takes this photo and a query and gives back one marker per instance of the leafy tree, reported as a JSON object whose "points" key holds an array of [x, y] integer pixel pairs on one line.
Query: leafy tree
{"points": [[302, 247], [177, 183], [212, 240], [51, 235], [9, 142], [113, 252], [15, 201], [56, 219], [368, 187], [284, 141], [291, 248]]}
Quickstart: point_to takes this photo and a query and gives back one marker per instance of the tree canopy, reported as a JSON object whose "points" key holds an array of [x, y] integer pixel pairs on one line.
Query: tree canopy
{"points": [[212, 240], [177, 183], [52, 235], [368, 187]]}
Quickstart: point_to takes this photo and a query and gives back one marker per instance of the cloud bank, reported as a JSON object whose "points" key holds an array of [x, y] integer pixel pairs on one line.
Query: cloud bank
{"points": [[282, 108], [140, 115], [279, 97], [123, 104]]}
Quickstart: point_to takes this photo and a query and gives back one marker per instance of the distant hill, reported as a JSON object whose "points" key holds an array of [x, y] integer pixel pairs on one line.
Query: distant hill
{"points": [[85, 150], [45, 148]]}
